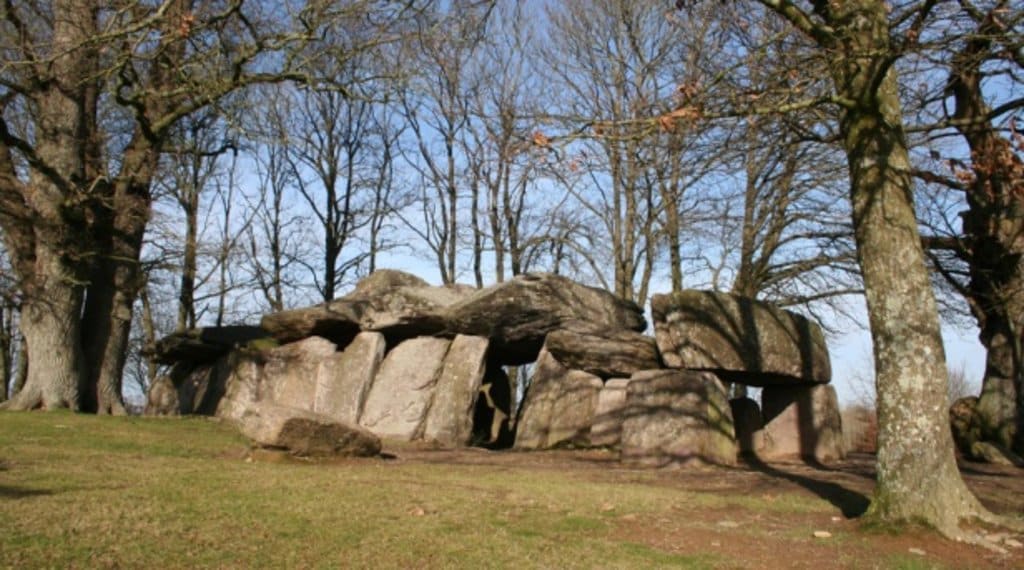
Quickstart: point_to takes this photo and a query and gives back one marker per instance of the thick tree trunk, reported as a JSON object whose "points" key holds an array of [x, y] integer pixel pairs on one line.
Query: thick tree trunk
{"points": [[918, 478], [994, 228], [52, 329]]}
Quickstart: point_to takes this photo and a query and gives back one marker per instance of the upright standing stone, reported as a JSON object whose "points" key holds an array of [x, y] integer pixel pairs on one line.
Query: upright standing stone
{"points": [[802, 421], [291, 371], [400, 397], [162, 398], [243, 386], [573, 411], [676, 418], [611, 412], [345, 378], [534, 421], [450, 419]]}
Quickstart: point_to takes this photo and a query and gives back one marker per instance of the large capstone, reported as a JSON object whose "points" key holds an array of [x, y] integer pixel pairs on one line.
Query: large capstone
{"points": [[677, 418], [400, 397], [601, 350], [203, 345], [740, 339], [518, 314], [399, 305], [801, 422]]}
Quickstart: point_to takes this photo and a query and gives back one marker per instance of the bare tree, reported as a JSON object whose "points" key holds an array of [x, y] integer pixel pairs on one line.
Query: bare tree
{"points": [[90, 98], [436, 109], [860, 41]]}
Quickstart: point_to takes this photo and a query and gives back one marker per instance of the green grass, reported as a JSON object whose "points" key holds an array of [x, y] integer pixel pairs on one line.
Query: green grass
{"points": [[86, 491]]}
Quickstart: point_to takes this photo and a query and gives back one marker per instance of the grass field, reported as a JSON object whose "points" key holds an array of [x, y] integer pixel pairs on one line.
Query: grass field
{"points": [[82, 491]]}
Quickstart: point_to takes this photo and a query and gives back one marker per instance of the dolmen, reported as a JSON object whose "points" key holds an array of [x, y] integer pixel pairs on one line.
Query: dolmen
{"points": [[398, 359]]}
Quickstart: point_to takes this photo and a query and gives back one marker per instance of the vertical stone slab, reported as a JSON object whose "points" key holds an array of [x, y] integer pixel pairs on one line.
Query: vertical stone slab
{"points": [[401, 394], [345, 378], [450, 419], [291, 371], [801, 421], [534, 422], [573, 410], [610, 413], [677, 418], [242, 386]]}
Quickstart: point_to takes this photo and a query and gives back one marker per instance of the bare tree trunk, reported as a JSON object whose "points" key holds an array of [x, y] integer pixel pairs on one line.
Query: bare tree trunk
{"points": [[187, 288], [917, 473], [52, 331], [994, 226], [478, 234]]}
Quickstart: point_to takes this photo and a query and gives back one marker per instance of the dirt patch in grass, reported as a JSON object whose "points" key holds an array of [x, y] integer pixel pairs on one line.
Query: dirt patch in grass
{"points": [[80, 491], [765, 516]]}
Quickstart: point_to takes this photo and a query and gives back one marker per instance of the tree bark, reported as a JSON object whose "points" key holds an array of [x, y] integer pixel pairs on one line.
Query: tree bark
{"points": [[52, 329], [994, 231], [918, 478]]}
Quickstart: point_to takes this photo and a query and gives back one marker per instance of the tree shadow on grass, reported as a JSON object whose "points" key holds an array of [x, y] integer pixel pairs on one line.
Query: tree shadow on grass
{"points": [[8, 492], [851, 503]]}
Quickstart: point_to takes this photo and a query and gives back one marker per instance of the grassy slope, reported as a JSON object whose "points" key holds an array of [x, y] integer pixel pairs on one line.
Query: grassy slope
{"points": [[81, 491]]}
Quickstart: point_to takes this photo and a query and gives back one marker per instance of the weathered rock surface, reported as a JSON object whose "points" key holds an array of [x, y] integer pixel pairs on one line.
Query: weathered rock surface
{"points": [[305, 433], [801, 421], [573, 411], [291, 371], [742, 340], [517, 315], [401, 394], [559, 406], [677, 418], [748, 424], [602, 351], [450, 419], [204, 344], [162, 398], [965, 423], [396, 304], [606, 430], [242, 381], [345, 378]]}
